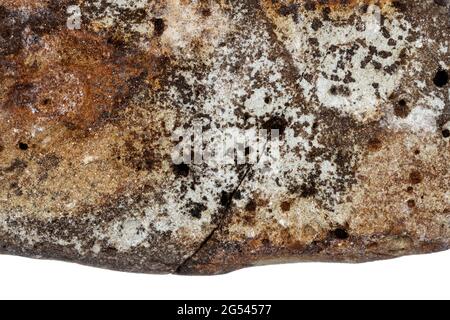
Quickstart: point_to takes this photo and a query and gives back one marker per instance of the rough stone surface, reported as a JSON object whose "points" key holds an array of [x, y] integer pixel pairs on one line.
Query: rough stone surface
{"points": [[92, 91]]}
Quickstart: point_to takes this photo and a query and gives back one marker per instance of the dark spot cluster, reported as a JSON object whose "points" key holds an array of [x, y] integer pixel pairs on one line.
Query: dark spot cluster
{"points": [[308, 190], [23, 94], [140, 157], [196, 210], [16, 189], [316, 24], [290, 10], [13, 23], [340, 90], [276, 123], [389, 69], [17, 165], [400, 5], [339, 135], [49, 162], [181, 170]]}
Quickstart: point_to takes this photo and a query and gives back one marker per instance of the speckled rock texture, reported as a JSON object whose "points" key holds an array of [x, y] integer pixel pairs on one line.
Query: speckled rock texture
{"points": [[92, 91]]}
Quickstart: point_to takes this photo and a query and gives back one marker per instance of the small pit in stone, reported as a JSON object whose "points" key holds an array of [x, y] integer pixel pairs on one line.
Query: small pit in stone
{"points": [[159, 25], [46, 101], [415, 177], [23, 146], [285, 206], [401, 109], [225, 199], [446, 133], [340, 234], [441, 78]]}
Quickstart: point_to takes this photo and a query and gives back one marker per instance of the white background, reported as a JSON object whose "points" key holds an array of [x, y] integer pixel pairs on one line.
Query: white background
{"points": [[418, 277]]}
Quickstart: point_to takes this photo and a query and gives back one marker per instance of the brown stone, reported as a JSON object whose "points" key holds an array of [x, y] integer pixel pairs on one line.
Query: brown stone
{"points": [[94, 99]]}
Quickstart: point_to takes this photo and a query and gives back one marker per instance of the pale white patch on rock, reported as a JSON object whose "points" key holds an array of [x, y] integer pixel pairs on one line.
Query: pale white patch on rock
{"points": [[186, 25], [89, 159], [127, 234], [422, 118], [343, 49], [74, 20], [96, 248]]}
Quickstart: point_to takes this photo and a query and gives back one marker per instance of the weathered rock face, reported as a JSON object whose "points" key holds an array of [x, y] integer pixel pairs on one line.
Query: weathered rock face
{"points": [[92, 92]]}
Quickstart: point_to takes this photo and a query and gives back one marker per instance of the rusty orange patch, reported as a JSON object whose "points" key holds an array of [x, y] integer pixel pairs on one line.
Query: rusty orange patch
{"points": [[72, 78]]}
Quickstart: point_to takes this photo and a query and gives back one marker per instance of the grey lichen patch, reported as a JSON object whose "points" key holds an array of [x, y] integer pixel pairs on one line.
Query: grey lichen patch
{"points": [[357, 90], [348, 52]]}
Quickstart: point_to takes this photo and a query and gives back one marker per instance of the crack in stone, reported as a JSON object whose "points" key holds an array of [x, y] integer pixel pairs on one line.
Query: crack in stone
{"points": [[277, 43], [226, 211]]}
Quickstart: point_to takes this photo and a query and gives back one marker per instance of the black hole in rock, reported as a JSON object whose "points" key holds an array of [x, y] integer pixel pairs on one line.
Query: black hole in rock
{"points": [[315, 125], [401, 110], [225, 198], [46, 101], [441, 78], [23, 146], [267, 100], [181, 169], [334, 90], [159, 25], [341, 234], [446, 133]]}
